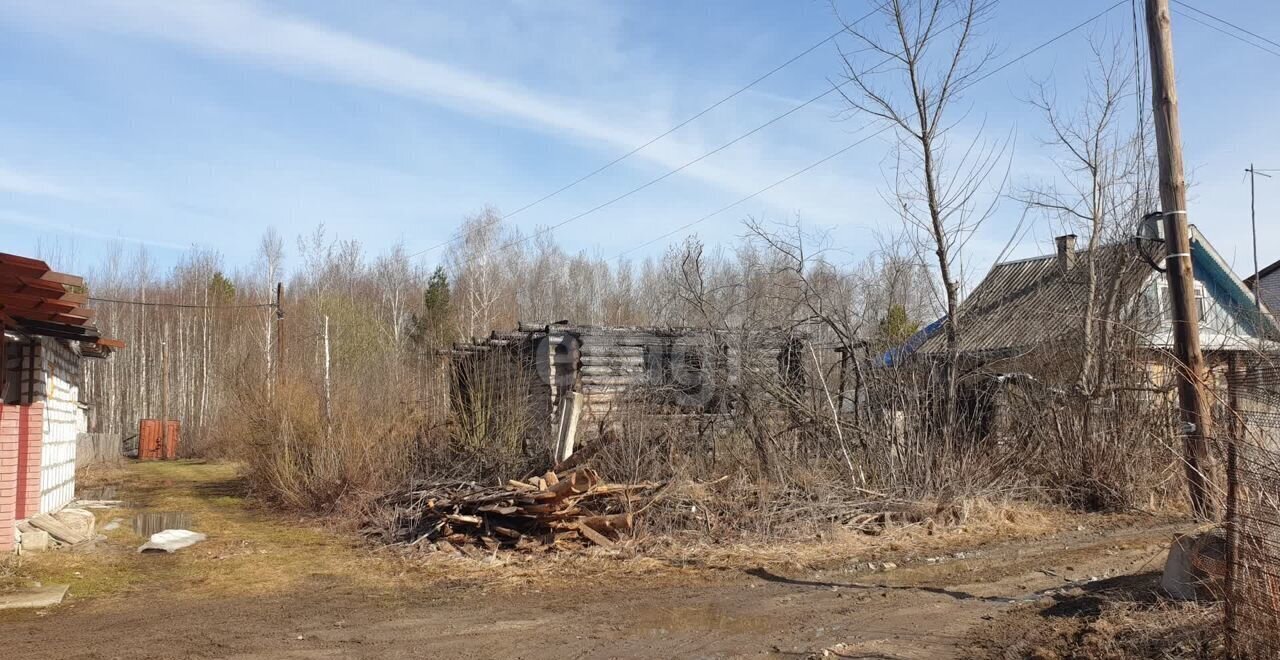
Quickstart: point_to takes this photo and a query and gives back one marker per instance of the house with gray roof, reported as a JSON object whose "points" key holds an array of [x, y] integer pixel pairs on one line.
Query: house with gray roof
{"points": [[1032, 310], [1266, 284]]}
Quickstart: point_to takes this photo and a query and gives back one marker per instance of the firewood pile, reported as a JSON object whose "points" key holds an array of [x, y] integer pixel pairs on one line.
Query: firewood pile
{"points": [[554, 511]]}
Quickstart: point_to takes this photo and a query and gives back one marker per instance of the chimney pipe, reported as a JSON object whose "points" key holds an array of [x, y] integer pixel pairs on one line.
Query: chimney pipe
{"points": [[1066, 251]]}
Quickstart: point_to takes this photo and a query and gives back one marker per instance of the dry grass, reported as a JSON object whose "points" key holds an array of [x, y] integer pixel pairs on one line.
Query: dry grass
{"points": [[1124, 620], [1125, 631], [248, 551], [256, 550]]}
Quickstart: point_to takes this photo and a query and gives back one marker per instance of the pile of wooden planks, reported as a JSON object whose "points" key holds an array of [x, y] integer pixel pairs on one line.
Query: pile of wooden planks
{"points": [[572, 509]]}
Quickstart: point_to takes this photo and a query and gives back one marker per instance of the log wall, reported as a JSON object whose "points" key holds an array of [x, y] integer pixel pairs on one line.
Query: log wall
{"points": [[682, 371]]}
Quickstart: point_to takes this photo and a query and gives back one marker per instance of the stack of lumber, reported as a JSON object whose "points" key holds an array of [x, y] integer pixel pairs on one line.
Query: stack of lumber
{"points": [[572, 509]]}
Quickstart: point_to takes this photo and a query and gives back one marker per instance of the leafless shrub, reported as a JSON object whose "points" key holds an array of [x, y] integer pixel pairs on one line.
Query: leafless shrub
{"points": [[292, 457], [497, 432]]}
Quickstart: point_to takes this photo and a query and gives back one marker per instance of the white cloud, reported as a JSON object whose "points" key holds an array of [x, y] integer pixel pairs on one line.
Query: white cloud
{"points": [[24, 220], [23, 183], [243, 30]]}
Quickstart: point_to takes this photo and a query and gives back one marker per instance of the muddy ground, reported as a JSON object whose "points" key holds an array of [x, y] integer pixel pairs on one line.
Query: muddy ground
{"points": [[268, 587]]}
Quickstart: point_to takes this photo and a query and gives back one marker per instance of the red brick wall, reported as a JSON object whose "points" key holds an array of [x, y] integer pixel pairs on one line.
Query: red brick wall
{"points": [[9, 434], [31, 430], [21, 434]]}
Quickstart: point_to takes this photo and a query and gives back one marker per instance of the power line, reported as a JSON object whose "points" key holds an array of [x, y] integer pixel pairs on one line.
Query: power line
{"points": [[754, 194], [708, 154], [869, 137], [828, 39], [1227, 23], [774, 120], [1046, 44], [671, 172], [144, 303], [1220, 30]]}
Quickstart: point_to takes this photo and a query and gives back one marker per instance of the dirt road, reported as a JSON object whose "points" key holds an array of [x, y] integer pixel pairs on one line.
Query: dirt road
{"points": [[327, 601]]}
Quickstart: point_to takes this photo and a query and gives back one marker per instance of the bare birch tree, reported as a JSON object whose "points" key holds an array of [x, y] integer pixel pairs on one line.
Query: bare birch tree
{"points": [[270, 269], [1100, 189], [912, 74]]}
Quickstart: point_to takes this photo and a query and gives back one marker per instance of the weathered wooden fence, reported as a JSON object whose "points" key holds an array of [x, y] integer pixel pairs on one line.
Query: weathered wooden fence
{"points": [[98, 448]]}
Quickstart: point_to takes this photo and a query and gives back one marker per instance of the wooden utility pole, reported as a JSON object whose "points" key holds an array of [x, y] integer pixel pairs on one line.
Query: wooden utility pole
{"points": [[1173, 201], [279, 334], [164, 390], [1253, 224]]}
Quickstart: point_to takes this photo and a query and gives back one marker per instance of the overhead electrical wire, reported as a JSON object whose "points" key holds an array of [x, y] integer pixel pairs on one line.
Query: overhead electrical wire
{"points": [[775, 119], [667, 174], [869, 137], [690, 163], [757, 193], [698, 115], [1224, 21], [145, 303], [1228, 33], [766, 124]]}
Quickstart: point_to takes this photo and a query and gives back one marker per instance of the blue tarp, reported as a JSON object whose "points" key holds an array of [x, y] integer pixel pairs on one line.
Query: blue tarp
{"points": [[896, 356]]}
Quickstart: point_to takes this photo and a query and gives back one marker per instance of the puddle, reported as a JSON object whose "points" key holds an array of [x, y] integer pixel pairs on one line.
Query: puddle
{"points": [[146, 524]]}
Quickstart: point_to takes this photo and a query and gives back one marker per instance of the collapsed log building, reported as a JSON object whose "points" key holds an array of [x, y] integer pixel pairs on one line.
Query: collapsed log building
{"points": [[571, 382]]}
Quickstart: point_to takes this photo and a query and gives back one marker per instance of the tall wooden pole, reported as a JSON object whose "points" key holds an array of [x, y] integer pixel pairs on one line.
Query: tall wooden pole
{"points": [[1253, 225], [279, 334], [1173, 201], [164, 391]]}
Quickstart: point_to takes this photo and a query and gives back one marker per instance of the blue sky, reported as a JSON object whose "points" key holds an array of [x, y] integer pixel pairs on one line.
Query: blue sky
{"points": [[172, 124]]}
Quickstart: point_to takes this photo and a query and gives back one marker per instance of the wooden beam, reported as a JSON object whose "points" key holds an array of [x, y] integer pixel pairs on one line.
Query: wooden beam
{"points": [[60, 331], [64, 279], [27, 301], [31, 283], [19, 289], [81, 317], [27, 266], [16, 262]]}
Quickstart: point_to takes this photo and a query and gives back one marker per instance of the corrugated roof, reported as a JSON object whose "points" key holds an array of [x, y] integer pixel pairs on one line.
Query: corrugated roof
{"points": [[38, 301], [1031, 302]]}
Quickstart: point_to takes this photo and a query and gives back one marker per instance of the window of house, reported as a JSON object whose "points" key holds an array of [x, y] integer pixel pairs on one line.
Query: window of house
{"points": [[1164, 301]]}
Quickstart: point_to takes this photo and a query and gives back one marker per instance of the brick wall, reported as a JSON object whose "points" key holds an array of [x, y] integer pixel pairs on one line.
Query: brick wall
{"points": [[9, 435], [21, 440], [31, 432], [61, 417]]}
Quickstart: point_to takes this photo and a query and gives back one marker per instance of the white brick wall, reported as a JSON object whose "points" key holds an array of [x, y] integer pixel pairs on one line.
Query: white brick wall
{"points": [[60, 373]]}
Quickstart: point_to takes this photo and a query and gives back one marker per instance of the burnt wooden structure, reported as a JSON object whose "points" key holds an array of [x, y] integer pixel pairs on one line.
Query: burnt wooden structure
{"points": [[651, 370]]}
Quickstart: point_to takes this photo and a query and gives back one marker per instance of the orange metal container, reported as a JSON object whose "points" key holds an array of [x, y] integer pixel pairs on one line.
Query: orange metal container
{"points": [[171, 446], [152, 445]]}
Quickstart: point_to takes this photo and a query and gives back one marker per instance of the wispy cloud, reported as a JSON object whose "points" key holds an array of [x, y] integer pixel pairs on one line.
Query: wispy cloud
{"points": [[23, 183], [301, 47], [24, 220]]}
